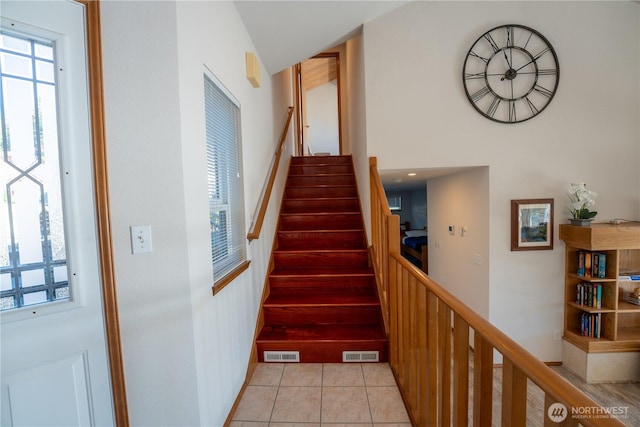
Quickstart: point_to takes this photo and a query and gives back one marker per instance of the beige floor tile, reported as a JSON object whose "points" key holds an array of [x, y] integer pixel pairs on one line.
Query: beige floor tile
{"points": [[248, 424], [392, 425], [342, 374], [378, 374], [302, 374], [256, 403], [345, 405], [267, 374], [347, 425], [297, 404], [387, 405], [294, 425]]}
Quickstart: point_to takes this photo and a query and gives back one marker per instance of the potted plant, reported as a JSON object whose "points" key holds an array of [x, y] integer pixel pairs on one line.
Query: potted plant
{"points": [[581, 200]]}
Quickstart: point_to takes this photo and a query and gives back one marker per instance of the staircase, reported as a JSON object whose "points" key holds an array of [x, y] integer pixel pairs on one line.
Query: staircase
{"points": [[323, 299]]}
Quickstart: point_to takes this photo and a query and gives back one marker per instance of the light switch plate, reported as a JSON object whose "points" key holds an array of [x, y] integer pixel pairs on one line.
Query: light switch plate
{"points": [[141, 239]]}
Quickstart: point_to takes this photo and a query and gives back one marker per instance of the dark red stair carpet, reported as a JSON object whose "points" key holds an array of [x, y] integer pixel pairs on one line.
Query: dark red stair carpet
{"points": [[323, 299]]}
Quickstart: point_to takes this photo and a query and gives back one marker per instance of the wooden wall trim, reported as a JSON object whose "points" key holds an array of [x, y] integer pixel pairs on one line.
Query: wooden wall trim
{"points": [[101, 184]]}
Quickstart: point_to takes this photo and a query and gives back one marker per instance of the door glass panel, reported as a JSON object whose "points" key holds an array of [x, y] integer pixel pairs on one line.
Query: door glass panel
{"points": [[15, 65], [44, 71], [32, 278], [16, 44], [33, 255]]}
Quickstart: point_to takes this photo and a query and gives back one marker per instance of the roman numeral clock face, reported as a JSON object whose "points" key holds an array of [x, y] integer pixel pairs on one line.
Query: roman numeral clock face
{"points": [[511, 74]]}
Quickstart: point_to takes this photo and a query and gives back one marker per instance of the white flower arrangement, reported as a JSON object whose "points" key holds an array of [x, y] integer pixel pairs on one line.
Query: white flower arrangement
{"points": [[581, 200]]}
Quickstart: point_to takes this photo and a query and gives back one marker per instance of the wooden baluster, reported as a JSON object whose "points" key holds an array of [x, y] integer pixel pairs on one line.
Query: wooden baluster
{"points": [[394, 283], [423, 386], [444, 350], [514, 395], [413, 327], [482, 381], [432, 351], [460, 371]]}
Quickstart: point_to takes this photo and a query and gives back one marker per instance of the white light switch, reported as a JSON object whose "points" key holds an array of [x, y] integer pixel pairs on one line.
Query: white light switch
{"points": [[141, 239]]}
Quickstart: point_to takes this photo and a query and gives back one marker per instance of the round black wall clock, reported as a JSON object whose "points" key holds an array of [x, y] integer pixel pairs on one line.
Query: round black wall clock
{"points": [[511, 73]]}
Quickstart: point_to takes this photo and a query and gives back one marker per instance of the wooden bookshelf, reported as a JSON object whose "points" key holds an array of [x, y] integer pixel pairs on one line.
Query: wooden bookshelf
{"points": [[619, 319]]}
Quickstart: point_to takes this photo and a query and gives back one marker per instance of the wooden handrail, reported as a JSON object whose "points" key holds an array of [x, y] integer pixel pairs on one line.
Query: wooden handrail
{"points": [[261, 209], [430, 333]]}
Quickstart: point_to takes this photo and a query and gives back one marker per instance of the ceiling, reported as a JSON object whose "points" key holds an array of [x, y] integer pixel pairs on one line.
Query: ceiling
{"points": [[289, 31], [318, 71], [399, 179]]}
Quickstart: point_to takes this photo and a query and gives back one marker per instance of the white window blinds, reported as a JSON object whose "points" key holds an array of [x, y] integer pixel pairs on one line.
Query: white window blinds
{"points": [[224, 172]]}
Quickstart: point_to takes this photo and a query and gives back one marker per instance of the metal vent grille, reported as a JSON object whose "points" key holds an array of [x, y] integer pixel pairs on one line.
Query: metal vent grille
{"points": [[282, 356], [360, 356]]}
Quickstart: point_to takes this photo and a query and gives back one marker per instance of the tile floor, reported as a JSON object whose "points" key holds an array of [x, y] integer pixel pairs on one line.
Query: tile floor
{"points": [[321, 394]]}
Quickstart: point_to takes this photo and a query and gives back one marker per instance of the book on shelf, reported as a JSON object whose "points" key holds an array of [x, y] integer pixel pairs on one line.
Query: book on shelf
{"points": [[591, 325], [592, 264], [581, 255], [602, 266], [587, 264], [589, 295]]}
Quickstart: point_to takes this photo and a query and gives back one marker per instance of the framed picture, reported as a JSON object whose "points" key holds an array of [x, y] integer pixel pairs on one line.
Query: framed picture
{"points": [[531, 224]]}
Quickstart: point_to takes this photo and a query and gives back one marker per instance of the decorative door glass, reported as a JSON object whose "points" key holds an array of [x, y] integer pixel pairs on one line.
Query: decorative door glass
{"points": [[33, 266]]}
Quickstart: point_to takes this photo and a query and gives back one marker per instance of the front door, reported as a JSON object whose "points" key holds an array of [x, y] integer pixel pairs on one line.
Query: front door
{"points": [[54, 366]]}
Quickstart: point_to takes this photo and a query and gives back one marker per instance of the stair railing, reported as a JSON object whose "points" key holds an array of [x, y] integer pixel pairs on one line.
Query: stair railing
{"points": [[384, 240], [434, 340], [263, 202]]}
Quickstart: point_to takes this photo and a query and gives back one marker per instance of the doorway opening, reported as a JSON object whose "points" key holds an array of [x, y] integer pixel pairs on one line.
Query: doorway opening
{"points": [[318, 122]]}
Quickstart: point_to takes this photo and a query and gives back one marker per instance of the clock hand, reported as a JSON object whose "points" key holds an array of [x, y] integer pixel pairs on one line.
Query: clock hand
{"points": [[506, 58], [534, 59]]}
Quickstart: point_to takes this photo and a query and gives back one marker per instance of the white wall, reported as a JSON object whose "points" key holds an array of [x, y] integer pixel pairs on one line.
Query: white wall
{"points": [[461, 200], [322, 118], [185, 351], [356, 129], [419, 117]]}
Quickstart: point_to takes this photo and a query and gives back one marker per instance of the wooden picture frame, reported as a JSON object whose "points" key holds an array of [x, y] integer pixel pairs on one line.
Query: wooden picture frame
{"points": [[531, 224]]}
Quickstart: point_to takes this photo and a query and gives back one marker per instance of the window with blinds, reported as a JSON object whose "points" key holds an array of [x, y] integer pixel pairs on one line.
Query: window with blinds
{"points": [[224, 173]]}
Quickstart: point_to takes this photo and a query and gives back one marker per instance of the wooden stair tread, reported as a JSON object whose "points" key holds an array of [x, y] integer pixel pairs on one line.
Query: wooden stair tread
{"points": [[320, 160], [322, 333], [295, 175], [329, 231], [319, 192], [319, 251], [320, 207], [318, 298], [316, 199], [298, 187], [321, 214], [302, 272]]}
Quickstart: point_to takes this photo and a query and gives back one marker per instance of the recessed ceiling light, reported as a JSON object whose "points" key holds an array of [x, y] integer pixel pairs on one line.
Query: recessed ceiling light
{"points": [[412, 174]]}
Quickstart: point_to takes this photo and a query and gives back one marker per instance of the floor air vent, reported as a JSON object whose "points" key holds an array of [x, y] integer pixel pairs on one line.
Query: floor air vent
{"points": [[282, 356], [360, 356]]}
